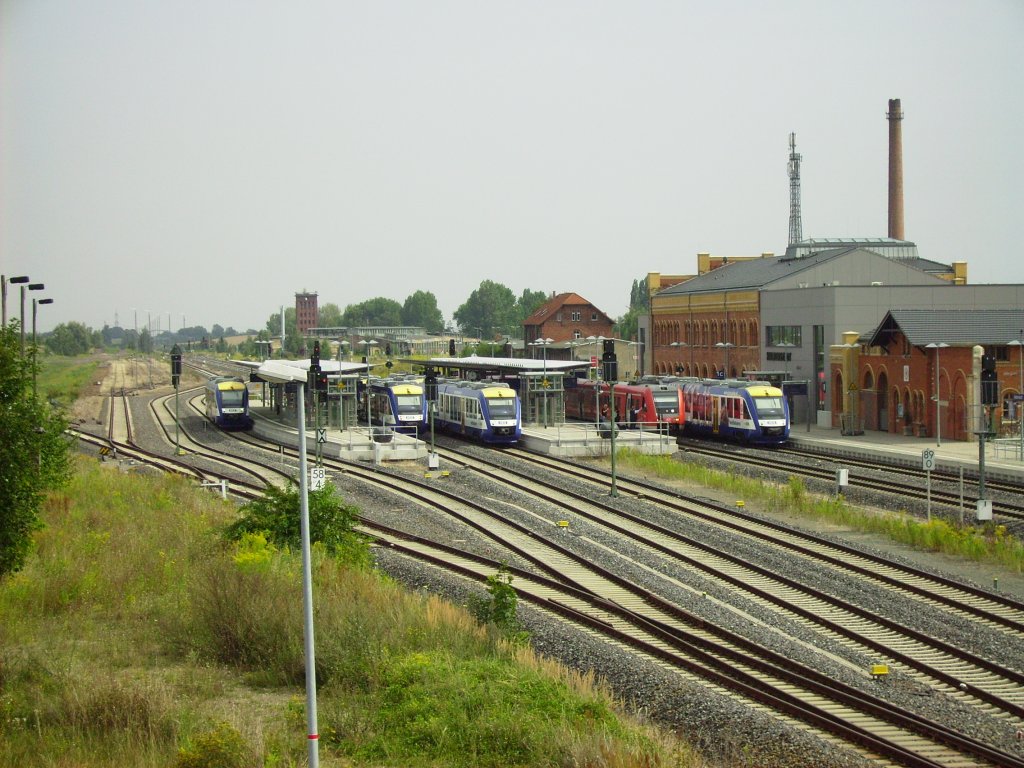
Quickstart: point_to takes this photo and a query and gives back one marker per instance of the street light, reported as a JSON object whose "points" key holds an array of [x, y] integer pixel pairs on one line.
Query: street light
{"points": [[343, 348], [726, 345], [34, 352], [4, 281], [938, 403], [31, 287], [786, 345], [543, 344], [1019, 410], [678, 345], [369, 418]]}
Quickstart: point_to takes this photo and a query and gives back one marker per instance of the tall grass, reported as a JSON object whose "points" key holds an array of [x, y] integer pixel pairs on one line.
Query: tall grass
{"points": [[61, 379], [136, 635], [988, 543]]}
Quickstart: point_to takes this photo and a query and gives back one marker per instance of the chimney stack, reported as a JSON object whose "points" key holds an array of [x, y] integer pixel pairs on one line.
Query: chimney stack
{"points": [[895, 117]]}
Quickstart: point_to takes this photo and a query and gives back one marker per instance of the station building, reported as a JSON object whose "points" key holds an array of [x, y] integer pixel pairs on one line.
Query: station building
{"points": [[784, 314]]}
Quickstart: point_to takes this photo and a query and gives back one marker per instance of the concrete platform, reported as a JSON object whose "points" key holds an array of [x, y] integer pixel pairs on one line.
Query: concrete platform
{"points": [[1002, 457], [578, 439]]}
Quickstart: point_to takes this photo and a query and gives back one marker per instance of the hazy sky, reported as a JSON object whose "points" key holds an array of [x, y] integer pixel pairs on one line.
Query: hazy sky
{"points": [[210, 159]]}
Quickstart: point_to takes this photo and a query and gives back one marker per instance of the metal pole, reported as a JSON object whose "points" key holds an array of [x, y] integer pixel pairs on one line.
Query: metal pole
{"points": [[611, 411], [307, 585], [177, 443], [34, 360], [938, 418]]}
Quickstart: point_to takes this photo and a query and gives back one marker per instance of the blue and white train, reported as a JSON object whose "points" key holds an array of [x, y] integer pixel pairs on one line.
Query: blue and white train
{"points": [[488, 412], [749, 411], [226, 401], [398, 403]]}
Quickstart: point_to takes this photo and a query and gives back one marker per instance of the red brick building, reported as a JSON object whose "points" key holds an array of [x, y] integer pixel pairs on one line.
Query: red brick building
{"points": [[566, 317], [889, 380], [306, 313]]}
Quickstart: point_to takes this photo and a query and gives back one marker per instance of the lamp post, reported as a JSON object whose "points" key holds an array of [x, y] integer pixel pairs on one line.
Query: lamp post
{"points": [[343, 346], [726, 345], [34, 353], [1019, 410], [786, 345], [676, 345], [3, 283], [937, 345], [543, 344], [369, 418], [31, 287]]}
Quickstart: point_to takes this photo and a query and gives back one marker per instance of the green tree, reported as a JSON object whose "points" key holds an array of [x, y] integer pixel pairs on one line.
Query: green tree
{"points": [[34, 455], [69, 339], [529, 302], [329, 316], [378, 311], [145, 341], [490, 308], [420, 309], [292, 341]]}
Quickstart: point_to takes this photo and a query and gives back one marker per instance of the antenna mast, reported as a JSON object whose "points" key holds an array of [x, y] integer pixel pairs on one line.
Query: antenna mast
{"points": [[795, 226]]}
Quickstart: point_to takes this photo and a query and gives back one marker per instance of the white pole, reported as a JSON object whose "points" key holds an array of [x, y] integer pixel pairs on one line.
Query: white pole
{"points": [[307, 584]]}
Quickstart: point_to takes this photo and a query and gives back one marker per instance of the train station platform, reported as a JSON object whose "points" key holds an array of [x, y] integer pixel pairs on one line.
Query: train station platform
{"points": [[576, 439], [1002, 456]]}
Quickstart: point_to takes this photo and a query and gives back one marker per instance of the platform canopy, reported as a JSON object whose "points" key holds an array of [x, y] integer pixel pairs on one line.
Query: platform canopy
{"points": [[281, 371], [502, 366]]}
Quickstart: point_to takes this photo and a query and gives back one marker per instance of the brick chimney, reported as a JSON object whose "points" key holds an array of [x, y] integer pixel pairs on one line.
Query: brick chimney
{"points": [[895, 118]]}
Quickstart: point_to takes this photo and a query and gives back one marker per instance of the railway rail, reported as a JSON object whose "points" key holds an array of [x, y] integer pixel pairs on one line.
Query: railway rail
{"points": [[566, 582]]}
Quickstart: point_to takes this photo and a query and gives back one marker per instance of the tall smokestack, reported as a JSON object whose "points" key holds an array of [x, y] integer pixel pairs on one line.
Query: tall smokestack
{"points": [[895, 117]]}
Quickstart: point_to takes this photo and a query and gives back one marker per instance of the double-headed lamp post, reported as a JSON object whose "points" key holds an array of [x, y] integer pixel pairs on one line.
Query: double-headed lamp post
{"points": [[31, 287], [369, 417], [937, 345], [543, 344], [35, 302], [1019, 410], [726, 345]]}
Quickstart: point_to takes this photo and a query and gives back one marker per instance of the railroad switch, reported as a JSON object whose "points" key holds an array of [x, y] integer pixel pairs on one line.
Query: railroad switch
{"points": [[879, 671]]}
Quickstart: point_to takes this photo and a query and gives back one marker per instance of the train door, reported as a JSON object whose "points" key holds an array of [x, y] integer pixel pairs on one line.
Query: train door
{"points": [[715, 406]]}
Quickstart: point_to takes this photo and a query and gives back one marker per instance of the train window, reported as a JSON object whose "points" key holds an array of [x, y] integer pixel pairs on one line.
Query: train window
{"points": [[502, 408], [409, 403], [232, 397], [768, 406]]}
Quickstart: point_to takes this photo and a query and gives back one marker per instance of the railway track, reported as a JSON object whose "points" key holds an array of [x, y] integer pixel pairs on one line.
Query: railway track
{"points": [[886, 479], [600, 601]]}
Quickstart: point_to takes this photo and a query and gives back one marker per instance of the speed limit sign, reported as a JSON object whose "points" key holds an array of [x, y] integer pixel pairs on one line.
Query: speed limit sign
{"points": [[317, 478], [928, 459]]}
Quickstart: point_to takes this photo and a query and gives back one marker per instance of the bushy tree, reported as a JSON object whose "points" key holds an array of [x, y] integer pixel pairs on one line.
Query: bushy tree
{"points": [[70, 339], [492, 306], [529, 302], [34, 454], [331, 523], [420, 309], [378, 311]]}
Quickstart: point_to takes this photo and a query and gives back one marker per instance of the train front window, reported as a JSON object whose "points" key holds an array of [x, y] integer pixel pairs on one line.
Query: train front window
{"points": [[502, 409], [230, 398], [409, 403], [769, 407], [666, 402]]}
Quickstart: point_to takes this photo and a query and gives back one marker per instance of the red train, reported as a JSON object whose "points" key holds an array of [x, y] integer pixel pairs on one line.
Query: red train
{"points": [[650, 401]]}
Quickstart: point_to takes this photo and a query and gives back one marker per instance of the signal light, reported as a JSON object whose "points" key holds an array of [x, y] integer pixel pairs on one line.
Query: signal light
{"points": [[387, 349], [451, 347], [989, 381]]}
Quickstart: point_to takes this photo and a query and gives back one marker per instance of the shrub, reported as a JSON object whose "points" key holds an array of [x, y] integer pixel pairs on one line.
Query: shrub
{"points": [[221, 747]]}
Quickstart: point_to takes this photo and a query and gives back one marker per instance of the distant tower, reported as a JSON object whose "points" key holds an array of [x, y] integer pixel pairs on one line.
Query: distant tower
{"points": [[305, 312], [795, 226], [895, 118]]}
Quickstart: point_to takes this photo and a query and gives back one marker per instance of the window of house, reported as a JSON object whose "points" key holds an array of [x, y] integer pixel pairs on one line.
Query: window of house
{"points": [[575, 316], [593, 317], [776, 335]]}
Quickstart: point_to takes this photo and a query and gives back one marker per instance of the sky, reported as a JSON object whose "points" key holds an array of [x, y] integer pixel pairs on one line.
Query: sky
{"points": [[201, 161]]}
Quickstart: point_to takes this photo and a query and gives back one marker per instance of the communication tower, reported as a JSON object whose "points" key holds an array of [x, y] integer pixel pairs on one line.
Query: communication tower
{"points": [[795, 226]]}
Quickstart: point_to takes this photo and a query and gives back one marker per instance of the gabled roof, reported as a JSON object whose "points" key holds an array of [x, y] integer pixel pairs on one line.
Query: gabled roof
{"points": [[755, 273], [956, 327], [549, 308]]}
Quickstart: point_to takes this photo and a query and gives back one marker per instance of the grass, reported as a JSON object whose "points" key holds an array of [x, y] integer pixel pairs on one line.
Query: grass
{"points": [[137, 635], [62, 378], [986, 543]]}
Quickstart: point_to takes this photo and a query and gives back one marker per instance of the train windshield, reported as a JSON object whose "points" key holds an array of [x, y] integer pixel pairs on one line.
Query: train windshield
{"points": [[667, 402], [502, 409], [230, 398], [769, 407], [410, 403]]}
